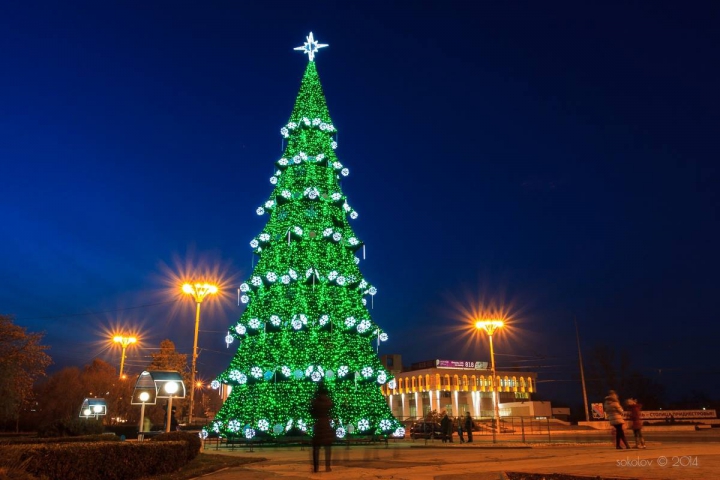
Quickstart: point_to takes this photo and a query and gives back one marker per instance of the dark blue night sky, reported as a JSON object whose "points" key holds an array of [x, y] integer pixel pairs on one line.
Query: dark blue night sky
{"points": [[557, 161]]}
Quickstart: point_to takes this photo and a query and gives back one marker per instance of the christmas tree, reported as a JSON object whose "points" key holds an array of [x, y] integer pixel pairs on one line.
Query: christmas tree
{"points": [[306, 319]]}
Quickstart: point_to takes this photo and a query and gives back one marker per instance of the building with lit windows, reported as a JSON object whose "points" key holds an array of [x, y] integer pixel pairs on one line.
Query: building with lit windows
{"points": [[458, 387]]}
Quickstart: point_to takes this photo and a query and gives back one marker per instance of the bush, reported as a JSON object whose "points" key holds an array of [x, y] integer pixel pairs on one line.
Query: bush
{"points": [[71, 427], [192, 439], [100, 460], [34, 441], [130, 431]]}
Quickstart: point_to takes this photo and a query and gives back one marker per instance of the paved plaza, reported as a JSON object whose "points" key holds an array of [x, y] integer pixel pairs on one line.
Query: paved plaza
{"points": [[676, 460]]}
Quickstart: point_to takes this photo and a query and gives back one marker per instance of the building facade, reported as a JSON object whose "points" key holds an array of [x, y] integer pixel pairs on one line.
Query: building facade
{"points": [[457, 387]]}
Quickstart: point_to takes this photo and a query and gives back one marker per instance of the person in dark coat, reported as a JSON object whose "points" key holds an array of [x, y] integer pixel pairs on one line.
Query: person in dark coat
{"points": [[614, 413], [468, 426], [460, 429], [446, 425], [323, 434], [636, 419]]}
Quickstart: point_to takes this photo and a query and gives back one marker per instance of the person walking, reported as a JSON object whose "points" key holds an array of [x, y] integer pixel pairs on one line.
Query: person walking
{"points": [[614, 413], [636, 418], [460, 429], [468, 427], [323, 435]]}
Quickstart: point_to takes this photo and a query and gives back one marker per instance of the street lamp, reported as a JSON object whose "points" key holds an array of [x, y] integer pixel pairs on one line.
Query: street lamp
{"points": [[198, 291], [169, 384], [124, 343], [145, 393], [93, 407], [490, 326]]}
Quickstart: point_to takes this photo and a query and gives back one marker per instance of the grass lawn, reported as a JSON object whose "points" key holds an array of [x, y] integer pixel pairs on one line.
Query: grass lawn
{"points": [[205, 463]]}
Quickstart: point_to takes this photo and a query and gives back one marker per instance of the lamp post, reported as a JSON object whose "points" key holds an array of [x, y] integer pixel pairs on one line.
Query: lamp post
{"points": [[170, 388], [124, 343], [490, 326], [143, 397], [198, 291]]}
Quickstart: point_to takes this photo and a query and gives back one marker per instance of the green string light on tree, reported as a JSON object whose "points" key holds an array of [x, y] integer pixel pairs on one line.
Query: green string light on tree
{"points": [[306, 319]]}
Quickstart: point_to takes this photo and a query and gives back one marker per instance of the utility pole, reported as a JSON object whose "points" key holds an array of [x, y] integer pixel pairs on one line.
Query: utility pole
{"points": [[582, 372]]}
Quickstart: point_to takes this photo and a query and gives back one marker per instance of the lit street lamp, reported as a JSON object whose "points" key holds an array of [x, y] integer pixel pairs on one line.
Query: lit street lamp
{"points": [[198, 291], [490, 326], [124, 342]]}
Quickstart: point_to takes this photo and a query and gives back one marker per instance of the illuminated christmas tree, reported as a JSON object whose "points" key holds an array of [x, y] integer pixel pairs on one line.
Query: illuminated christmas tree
{"points": [[306, 319]]}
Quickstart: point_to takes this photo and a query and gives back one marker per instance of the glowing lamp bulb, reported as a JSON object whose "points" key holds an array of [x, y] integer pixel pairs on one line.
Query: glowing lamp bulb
{"points": [[187, 288], [87, 412], [97, 408], [171, 387], [144, 396]]}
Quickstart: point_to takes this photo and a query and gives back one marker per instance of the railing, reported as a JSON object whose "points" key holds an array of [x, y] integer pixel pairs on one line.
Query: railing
{"points": [[508, 429]]}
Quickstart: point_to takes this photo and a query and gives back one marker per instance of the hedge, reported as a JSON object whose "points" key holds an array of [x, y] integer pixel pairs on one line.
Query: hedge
{"points": [[192, 440], [97, 461], [35, 440]]}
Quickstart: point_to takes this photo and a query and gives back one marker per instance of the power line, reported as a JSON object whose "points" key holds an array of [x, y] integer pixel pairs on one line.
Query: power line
{"points": [[97, 313]]}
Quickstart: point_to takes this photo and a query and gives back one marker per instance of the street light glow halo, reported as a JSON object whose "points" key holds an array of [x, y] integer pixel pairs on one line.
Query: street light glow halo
{"points": [[171, 387], [144, 396], [489, 325]]}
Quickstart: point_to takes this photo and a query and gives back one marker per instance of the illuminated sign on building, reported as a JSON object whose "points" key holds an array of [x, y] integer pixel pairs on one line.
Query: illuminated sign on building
{"points": [[451, 364]]}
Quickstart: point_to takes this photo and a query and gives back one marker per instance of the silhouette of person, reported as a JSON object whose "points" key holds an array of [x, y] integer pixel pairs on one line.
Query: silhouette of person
{"points": [[469, 427], [323, 434], [460, 429]]}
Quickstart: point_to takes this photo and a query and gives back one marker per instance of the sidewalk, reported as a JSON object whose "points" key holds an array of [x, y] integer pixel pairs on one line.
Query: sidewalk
{"points": [[413, 460]]}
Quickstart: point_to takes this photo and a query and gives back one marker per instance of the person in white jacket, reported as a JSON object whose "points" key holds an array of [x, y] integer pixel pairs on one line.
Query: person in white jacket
{"points": [[614, 414]]}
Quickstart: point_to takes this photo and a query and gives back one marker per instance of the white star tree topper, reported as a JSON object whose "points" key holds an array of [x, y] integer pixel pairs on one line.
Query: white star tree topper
{"points": [[311, 46]]}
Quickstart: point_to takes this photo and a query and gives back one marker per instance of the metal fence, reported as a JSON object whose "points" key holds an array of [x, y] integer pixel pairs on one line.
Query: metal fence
{"points": [[511, 429]]}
